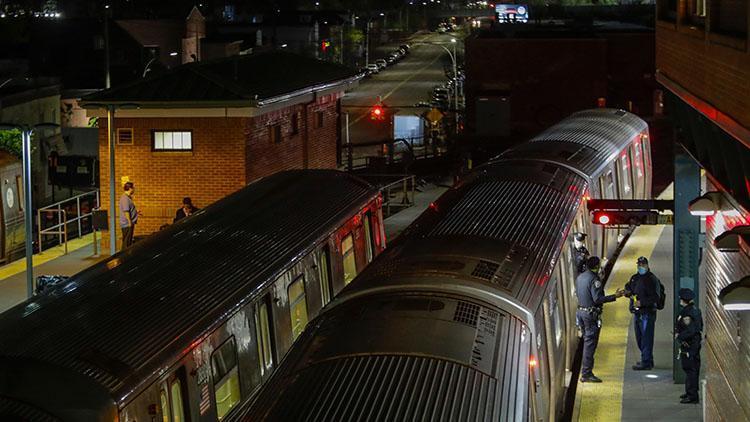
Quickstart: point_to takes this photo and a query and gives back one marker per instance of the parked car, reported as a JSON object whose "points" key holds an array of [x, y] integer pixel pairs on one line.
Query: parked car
{"points": [[372, 68], [391, 59], [381, 63]]}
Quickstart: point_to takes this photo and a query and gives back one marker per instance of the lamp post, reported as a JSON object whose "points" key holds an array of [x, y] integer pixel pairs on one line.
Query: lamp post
{"points": [[111, 138], [26, 132], [453, 57]]}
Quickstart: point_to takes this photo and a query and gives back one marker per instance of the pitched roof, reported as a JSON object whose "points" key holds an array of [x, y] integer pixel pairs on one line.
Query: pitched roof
{"points": [[237, 79]]}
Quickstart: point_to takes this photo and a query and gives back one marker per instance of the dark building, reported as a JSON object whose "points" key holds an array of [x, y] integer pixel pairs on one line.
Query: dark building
{"points": [[523, 78]]}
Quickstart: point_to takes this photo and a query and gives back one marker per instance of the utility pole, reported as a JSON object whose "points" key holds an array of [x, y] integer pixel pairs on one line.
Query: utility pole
{"points": [[107, 83]]}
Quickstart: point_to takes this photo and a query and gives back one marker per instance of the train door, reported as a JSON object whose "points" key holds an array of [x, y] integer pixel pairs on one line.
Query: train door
{"points": [[567, 275], [624, 176], [555, 337], [173, 398], [264, 334], [607, 190], [543, 361], [349, 258], [647, 165], [369, 238], [297, 306], [226, 378], [639, 178]]}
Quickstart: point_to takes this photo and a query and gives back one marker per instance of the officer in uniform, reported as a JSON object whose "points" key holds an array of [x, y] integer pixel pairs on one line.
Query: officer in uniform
{"points": [[688, 334], [580, 252], [591, 298], [644, 297]]}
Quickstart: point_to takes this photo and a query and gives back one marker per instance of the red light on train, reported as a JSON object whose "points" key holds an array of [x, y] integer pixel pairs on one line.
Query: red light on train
{"points": [[533, 362], [433, 206]]}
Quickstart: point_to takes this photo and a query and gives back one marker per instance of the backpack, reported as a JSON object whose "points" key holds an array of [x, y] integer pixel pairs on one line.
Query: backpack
{"points": [[662, 296]]}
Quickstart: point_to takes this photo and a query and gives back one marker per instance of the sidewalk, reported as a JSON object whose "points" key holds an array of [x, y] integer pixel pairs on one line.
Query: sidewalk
{"points": [[52, 261]]}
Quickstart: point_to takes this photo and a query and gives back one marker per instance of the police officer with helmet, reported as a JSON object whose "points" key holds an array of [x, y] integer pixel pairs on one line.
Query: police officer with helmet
{"points": [[688, 334], [643, 291], [580, 252], [591, 298]]}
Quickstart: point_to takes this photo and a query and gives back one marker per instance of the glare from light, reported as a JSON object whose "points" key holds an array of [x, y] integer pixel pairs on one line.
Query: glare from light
{"points": [[652, 376], [174, 53], [283, 45]]}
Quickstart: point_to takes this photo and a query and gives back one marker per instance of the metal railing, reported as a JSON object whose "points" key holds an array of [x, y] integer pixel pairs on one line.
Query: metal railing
{"points": [[397, 190], [63, 209], [384, 153]]}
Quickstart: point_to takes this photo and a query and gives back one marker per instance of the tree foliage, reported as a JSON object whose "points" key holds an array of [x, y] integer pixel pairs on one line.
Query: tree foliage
{"points": [[10, 141]]}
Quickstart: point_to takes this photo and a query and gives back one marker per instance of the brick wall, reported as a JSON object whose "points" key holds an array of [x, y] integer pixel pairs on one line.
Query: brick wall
{"points": [[214, 169], [716, 69], [315, 148]]}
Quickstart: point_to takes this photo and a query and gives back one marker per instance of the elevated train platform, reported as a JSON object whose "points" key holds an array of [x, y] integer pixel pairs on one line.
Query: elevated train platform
{"points": [[627, 395]]}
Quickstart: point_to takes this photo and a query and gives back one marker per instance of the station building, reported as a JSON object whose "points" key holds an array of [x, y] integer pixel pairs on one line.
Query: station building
{"points": [[204, 130], [703, 64]]}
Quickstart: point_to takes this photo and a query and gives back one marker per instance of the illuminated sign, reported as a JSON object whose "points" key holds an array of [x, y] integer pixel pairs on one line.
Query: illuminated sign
{"points": [[509, 13]]}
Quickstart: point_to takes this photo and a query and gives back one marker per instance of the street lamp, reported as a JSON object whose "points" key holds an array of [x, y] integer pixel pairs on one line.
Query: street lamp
{"points": [[455, 71], [26, 131], [111, 141]]}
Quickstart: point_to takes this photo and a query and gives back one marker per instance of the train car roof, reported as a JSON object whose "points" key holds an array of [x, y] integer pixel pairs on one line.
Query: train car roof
{"points": [[509, 221], [125, 319], [586, 141]]}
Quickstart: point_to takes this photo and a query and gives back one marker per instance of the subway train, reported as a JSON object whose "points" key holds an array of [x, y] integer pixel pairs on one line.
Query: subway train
{"points": [[470, 314], [187, 324]]}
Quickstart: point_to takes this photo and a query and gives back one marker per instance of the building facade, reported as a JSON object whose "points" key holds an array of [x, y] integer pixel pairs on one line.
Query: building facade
{"points": [[278, 111], [703, 64]]}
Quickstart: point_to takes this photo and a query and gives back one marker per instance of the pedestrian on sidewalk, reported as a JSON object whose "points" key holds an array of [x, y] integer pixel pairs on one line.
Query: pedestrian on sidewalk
{"points": [[591, 299], [688, 331], [128, 215], [643, 289]]}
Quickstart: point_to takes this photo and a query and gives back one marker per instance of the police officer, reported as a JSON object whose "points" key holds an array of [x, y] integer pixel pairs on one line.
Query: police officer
{"points": [[688, 334], [642, 289], [580, 252], [591, 298]]}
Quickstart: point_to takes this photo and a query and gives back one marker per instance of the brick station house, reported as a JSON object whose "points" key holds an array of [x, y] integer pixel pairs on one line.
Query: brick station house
{"points": [[206, 129]]}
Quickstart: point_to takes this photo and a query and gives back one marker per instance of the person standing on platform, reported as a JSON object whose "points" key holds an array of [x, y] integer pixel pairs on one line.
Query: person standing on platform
{"points": [[643, 291], [580, 252], [688, 334], [591, 298], [128, 215]]}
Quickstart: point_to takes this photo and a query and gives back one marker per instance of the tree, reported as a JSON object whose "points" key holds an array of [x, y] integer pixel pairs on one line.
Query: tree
{"points": [[10, 141]]}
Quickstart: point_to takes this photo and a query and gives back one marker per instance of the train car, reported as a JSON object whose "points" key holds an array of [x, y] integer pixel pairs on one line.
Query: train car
{"points": [[470, 313], [187, 324]]}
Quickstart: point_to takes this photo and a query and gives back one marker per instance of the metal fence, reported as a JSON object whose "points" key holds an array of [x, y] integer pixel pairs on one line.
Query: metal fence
{"points": [[380, 154], [67, 219], [397, 190]]}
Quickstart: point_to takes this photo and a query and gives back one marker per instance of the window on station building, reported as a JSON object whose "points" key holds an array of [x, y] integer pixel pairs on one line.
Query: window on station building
{"points": [[295, 123], [350, 261], [274, 133], [171, 140], [319, 119], [178, 409], [324, 273], [297, 306], [263, 334], [226, 378]]}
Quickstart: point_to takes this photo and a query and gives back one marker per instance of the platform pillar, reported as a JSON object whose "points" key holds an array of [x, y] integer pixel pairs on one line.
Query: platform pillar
{"points": [[687, 186]]}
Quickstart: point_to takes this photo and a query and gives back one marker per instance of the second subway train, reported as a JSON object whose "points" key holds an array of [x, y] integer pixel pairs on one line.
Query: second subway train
{"points": [[470, 314]]}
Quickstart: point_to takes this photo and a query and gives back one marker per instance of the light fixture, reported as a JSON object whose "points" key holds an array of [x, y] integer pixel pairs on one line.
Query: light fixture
{"points": [[733, 240], [736, 296], [706, 205], [174, 53]]}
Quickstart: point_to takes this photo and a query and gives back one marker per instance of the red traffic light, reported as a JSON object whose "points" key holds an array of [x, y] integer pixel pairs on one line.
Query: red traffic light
{"points": [[601, 218], [377, 113]]}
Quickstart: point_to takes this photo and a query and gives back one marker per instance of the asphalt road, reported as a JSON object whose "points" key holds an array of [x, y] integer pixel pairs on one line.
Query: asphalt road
{"points": [[400, 86]]}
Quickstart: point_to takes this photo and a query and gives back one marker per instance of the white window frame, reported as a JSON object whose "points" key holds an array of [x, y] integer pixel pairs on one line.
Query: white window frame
{"points": [[167, 140]]}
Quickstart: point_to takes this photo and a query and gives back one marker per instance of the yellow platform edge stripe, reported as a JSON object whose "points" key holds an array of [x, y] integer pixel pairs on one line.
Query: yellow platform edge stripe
{"points": [[55, 252]]}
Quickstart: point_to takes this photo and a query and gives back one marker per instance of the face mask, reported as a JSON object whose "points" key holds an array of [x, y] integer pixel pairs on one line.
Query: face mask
{"points": [[642, 270], [577, 244]]}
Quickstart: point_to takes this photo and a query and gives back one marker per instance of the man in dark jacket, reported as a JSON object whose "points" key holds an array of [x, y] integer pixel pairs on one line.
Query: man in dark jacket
{"points": [[688, 334], [580, 252], [186, 210], [591, 299], [642, 289]]}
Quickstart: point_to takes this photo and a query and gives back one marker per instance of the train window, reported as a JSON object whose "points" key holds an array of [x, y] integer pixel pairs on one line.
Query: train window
{"points": [[263, 333], [554, 310], [350, 262], [226, 377], [164, 401], [637, 159], [297, 306], [607, 184], [368, 237], [325, 276], [178, 414]]}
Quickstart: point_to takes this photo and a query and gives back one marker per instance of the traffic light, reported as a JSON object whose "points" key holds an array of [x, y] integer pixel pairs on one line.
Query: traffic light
{"points": [[377, 112], [625, 218]]}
